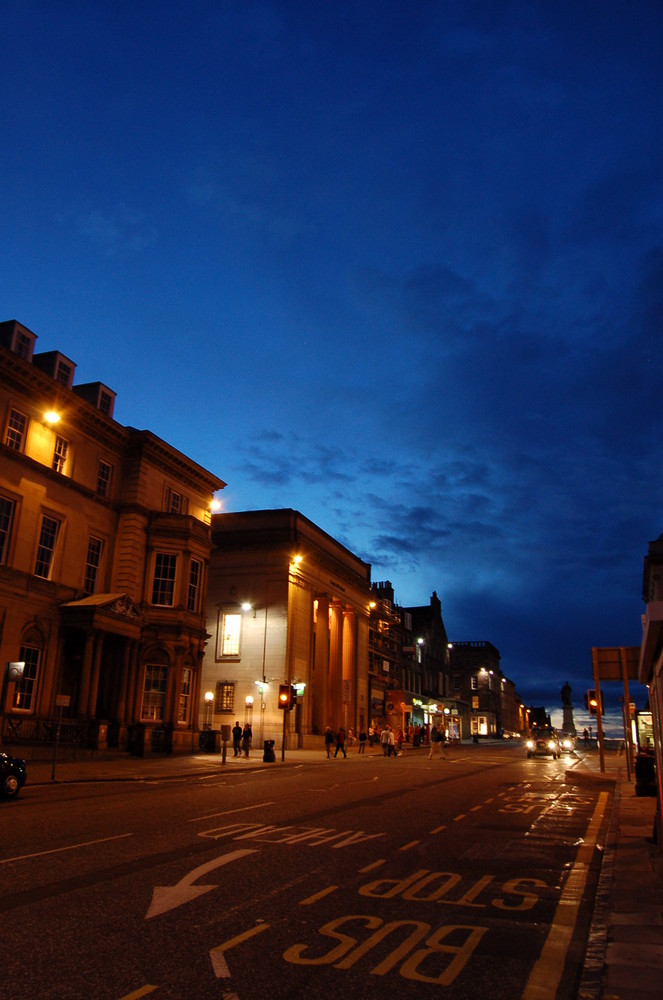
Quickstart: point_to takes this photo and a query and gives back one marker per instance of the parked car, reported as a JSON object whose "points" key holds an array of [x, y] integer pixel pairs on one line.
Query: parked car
{"points": [[13, 775], [543, 742], [567, 741]]}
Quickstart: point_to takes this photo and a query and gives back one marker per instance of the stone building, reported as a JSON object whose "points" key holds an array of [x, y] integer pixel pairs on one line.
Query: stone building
{"points": [[104, 548], [286, 605]]}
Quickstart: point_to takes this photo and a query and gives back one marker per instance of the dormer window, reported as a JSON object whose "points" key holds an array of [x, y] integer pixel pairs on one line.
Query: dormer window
{"points": [[63, 373]]}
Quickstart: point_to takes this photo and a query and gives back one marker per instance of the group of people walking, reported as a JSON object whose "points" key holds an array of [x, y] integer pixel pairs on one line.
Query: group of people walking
{"points": [[390, 741], [242, 737]]}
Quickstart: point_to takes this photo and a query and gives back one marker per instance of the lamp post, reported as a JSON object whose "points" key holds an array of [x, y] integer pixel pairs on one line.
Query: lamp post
{"points": [[207, 720]]}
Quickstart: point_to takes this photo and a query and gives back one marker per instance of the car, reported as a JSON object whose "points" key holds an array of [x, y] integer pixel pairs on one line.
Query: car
{"points": [[567, 741], [13, 775], [543, 742]]}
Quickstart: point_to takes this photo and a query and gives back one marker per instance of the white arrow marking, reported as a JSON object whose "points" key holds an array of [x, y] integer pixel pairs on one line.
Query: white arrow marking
{"points": [[167, 897]]}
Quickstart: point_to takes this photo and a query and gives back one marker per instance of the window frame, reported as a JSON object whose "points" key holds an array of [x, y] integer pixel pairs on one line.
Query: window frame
{"points": [[7, 527], [60, 454], [194, 587], [228, 642], [15, 437], [224, 698], [164, 579], [27, 686], [155, 692], [45, 554], [103, 487], [91, 571], [184, 705]]}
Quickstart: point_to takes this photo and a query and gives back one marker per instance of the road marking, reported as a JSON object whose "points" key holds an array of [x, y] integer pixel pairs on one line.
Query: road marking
{"points": [[406, 847], [229, 812], [476, 808], [167, 897], [142, 992], [71, 847], [318, 895], [458, 818], [219, 964], [545, 976], [374, 864]]}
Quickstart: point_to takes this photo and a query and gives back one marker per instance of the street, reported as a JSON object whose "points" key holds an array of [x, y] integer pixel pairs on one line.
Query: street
{"points": [[471, 875]]}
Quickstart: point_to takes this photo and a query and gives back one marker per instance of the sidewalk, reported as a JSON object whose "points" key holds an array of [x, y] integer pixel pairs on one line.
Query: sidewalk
{"points": [[624, 958]]}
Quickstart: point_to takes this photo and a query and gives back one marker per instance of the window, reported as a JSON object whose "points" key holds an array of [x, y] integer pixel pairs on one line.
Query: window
{"points": [[475, 682], [23, 345], [25, 691], [95, 547], [105, 402], [185, 696], [6, 518], [154, 692], [176, 503], [47, 538], [63, 372], [16, 427], [104, 473], [224, 700], [228, 635], [163, 586], [60, 454], [193, 593]]}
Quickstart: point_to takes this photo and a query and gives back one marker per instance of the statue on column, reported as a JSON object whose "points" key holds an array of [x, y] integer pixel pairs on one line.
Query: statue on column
{"points": [[568, 725]]}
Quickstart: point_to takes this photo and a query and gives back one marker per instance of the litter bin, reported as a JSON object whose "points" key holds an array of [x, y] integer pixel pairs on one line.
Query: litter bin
{"points": [[645, 774], [268, 752]]}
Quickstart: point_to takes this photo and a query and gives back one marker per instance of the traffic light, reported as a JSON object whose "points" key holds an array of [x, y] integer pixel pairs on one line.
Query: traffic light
{"points": [[293, 697], [592, 702], [284, 696]]}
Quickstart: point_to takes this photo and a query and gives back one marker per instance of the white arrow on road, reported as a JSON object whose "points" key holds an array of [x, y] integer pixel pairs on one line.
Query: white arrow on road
{"points": [[167, 897]]}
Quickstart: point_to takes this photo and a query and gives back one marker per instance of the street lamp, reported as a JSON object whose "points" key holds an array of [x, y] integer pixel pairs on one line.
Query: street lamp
{"points": [[207, 716]]}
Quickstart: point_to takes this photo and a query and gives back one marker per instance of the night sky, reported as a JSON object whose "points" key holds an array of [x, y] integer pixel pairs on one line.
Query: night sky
{"points": [[398, 266]]}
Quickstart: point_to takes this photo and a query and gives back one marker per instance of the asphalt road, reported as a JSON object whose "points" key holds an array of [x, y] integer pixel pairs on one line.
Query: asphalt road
{"points": [[471, 876]]}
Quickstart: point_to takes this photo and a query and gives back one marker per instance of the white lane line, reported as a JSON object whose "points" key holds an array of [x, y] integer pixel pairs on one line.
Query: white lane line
{"points": [[229, 812], [59, 850]]}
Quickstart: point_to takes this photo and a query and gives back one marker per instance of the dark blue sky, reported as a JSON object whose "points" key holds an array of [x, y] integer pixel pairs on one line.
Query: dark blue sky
{"points": [[396, 265]]}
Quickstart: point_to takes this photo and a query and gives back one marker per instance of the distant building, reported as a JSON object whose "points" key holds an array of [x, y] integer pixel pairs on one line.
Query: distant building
{"points": [[286, 604], [104, 549], [650, 670], [477, 678]]}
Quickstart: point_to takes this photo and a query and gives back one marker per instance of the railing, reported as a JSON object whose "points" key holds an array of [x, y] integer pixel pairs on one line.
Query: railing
{"points": [[18, 731]]}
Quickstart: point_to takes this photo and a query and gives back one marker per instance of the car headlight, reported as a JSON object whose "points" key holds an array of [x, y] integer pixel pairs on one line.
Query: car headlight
{"points": [[530, 744], [551, 745]]}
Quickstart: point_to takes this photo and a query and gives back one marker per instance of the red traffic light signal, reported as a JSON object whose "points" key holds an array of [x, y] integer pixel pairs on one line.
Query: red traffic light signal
{"points": [[284, 696]]}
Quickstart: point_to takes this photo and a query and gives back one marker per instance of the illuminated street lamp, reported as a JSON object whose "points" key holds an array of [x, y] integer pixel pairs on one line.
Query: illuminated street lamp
{"points": [[207, 716]]}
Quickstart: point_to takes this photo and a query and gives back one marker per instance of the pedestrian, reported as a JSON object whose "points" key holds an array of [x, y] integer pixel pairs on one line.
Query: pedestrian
{"points": [[384, 741], [399, 741], [329, 740], [340, 742], [362, 740], [371, 736], [247, 734], [436, 740], [237, 739], [391, 750], [585, 736]]}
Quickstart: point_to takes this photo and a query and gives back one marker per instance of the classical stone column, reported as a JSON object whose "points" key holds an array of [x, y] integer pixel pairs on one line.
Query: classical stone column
{"points": [[350, 665], [86, 673], [94, 675], [320, 717], [335, 694]]}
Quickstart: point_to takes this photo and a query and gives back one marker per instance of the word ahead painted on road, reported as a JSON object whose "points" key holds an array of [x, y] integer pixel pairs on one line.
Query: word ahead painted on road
{"points": [[308, 836]]}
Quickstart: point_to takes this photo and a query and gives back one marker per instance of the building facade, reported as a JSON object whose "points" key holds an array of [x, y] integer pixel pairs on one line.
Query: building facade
{"points": [[286, 605], [104, 549]]}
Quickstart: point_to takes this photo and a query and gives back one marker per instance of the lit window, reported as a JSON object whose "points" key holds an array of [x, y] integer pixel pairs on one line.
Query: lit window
{"points": [[95, 547], [16, 427], [60, 454], [104, 473], [25, 690], [224, 699], [154, 692], [163, 586], [475, 682], [185, 696], [47, 538], [228, 635], [6, 518], [193, 593]]}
